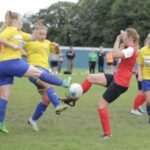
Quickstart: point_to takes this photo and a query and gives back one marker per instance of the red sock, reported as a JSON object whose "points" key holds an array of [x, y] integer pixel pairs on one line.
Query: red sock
{"points": [[105, 121], [142, 100], [86, 85], [139, 100]]}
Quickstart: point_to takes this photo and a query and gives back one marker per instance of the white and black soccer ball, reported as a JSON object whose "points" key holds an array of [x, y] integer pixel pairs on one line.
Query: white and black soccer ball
{"points": [[75, 91]]}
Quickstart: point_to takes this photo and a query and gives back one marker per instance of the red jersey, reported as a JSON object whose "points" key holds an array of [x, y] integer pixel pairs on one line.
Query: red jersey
{"points": [[125, 69]]}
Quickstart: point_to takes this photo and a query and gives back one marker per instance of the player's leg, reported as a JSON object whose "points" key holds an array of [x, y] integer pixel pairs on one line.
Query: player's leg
{"points": [[104, 117], [50, 91], [99, 79], [146, 90], [5, 91], [6, 81], [51, 94], [39, 110], [112, 93], [49, 78], [19, 68], [147, 97], [59, 107], [138, 101]]}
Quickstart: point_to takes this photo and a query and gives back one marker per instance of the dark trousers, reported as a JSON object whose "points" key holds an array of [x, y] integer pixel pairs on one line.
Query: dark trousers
{"points": [[100, 67], [92, 65]]}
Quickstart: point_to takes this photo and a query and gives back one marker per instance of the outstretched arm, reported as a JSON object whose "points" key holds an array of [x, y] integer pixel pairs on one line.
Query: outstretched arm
{"points": [[56, 47], [116, 52], [9, 44]]}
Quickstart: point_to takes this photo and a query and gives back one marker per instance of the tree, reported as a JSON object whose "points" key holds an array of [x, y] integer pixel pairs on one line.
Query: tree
{"points": [[94, 22]]}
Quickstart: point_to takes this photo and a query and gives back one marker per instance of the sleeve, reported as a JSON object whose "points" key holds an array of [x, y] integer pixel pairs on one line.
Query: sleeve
{"points": [[128, 52], [7, 33], [26, 36]]}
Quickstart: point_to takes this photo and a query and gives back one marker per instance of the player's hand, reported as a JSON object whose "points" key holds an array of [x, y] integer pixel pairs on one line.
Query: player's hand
{"points": [[57, 48], [119, 37], [139, 78]]}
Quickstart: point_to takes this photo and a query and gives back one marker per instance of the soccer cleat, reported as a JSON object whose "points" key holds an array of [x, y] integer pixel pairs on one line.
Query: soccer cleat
{"points": [[105, 137], [141, 110], [66, 82], [69, 101], [3, 128], [33, 124], [60, 108], [136, 112]]}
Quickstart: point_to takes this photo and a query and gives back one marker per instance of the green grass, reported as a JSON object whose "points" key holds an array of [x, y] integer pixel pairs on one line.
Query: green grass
{"points": [[77, 128]]}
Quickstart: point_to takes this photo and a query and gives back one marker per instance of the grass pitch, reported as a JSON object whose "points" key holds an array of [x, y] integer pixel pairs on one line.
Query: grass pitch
{"points": [[77, 128]]}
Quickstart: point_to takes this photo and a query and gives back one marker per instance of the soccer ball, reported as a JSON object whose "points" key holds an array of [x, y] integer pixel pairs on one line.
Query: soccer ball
{"points": [[75, 91]]}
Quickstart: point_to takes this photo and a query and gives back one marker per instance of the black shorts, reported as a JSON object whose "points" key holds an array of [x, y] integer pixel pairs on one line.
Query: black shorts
{"points": [[114, 90], [54, 63], [109, 78], [109, 64]]}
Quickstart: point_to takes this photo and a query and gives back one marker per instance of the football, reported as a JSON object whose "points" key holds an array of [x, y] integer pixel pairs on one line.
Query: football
{"points": [[75, 91]]}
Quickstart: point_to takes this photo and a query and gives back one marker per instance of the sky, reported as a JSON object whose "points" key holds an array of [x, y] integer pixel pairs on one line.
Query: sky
{"points": [[26, 6]]}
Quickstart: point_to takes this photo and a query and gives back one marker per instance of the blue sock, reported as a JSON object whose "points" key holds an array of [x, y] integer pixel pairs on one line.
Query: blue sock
{"points": [[51, 79], [52, 96], [3, 106], [148, 109], [39, 111]]}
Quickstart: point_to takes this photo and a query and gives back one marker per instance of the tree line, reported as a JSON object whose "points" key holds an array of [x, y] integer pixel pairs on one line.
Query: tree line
{"points": [[93, 22]]}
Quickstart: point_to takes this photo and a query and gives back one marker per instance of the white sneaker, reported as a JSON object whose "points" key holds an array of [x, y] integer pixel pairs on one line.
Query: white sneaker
{"points": [[60, 108], [105, 137], [136, 112], [33, 124]]}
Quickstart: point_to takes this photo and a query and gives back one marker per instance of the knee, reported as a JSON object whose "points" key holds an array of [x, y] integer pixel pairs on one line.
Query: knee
{"points": [[102, 103], [33, 72], [4, 95], [89, 78], [37, 73], [48, 86], [43, 84], [46, 102]]}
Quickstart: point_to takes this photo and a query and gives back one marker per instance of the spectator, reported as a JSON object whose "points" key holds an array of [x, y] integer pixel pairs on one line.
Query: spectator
{"points": [[54, 61], [61, 58], [70, 57], [100, 60], [109, 60], [92, 61]]}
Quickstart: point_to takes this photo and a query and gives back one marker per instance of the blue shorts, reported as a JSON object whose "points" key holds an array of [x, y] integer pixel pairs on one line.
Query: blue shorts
{"points": [[146, 85], [11, 68], [35, 80]]}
